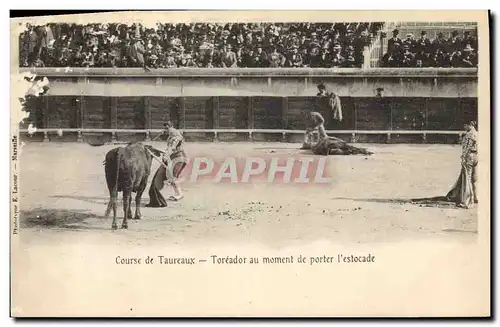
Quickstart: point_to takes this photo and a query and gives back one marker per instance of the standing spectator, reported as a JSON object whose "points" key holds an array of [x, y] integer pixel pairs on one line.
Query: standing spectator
{"points": [[32, 44], [454, 42], [394, 42], [439, 43], [409, 42], [137, 53], [423, 44]]}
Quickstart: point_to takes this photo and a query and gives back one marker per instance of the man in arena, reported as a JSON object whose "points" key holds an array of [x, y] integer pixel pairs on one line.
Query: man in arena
{"points": [[174, 151], [329, 145], [322, 90], [314, 125]]}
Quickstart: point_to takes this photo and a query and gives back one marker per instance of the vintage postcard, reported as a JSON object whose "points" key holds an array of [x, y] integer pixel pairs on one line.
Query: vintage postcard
{"points": [[251, 164]]}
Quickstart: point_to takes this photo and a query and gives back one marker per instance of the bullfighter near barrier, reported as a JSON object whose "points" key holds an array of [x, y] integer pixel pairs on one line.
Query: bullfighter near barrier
{"points": [[279, 164]]}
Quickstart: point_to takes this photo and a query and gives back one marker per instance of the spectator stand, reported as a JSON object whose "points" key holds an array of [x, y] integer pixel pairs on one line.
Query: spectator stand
{"points": [[450, 44], [293, 45]]}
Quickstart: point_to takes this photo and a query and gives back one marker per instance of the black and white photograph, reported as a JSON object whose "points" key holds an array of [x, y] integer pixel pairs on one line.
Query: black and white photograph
{"points": [[165, 145]]}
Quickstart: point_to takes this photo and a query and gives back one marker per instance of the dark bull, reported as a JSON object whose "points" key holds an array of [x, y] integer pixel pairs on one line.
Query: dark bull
{"points": [[127, 170]]}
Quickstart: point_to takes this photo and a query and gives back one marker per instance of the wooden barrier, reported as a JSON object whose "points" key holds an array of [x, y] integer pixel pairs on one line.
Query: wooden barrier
{"points": [[415, 115], [147, 133]]}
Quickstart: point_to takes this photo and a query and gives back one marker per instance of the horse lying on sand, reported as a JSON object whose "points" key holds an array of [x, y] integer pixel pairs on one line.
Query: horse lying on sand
{"points": [[334, 146]]}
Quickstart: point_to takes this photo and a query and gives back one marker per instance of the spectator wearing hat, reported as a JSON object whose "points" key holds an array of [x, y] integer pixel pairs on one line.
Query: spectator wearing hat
{"points": [[456, 58], [304, 43], [408, 56], [409, 42], [440, 58], [294, 58], [421, 58], [469, 58], [337, 58], [137, 53], [454, 42], [153, 61], [439, 43], [88, 59], [350, 62], [306, 57], [190, 61], [169, 60], [260, 58], [423, 44], [380, 92], [314, 56], [395, 59], [350, 51], [179, 54], [325, 58], [468, 39], [182, 61], [276, 59], [229, 59], [239, 55], [247, 57]]}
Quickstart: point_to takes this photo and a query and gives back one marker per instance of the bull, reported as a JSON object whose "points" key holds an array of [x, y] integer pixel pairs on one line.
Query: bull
{"points": [[127, 170]]}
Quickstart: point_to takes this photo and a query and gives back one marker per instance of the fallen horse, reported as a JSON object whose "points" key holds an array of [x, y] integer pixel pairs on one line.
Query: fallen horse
{"points": [[335, 146]]}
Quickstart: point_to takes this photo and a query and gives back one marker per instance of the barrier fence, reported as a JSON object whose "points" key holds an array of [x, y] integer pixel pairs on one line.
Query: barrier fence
{"points": [[428, 105], [246, 118]]}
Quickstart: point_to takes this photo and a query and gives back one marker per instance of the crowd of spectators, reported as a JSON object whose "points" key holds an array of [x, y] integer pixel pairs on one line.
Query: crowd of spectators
{"points": [[197, 45], [456, 51]]}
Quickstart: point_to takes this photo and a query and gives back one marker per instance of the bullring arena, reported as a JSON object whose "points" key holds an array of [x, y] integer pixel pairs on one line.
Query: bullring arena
{"points": [[64, 198], [412, 129]]}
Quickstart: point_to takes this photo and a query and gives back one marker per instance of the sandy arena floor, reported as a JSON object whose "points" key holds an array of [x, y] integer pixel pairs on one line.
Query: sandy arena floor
{"points": [[64, 195]]}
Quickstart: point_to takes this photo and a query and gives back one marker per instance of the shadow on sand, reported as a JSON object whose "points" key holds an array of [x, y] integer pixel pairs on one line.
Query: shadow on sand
{"points": [[101, 200], [437, 201], [57, 218]]}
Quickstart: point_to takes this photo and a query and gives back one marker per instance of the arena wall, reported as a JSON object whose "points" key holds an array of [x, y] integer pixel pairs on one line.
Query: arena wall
{"points": [[211, 103]]}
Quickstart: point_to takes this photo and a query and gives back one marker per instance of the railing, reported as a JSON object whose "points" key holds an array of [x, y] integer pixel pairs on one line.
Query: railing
{"points": [[81, 131], [252, 72]]}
